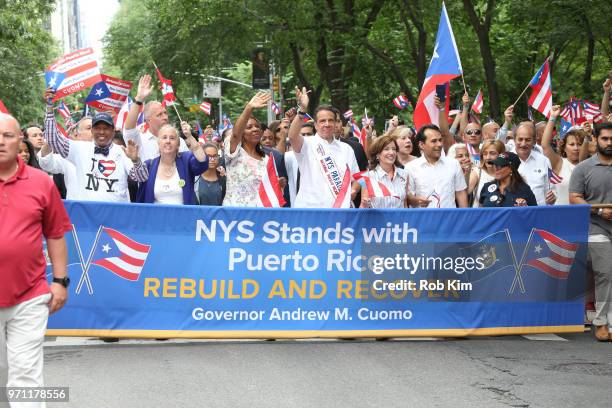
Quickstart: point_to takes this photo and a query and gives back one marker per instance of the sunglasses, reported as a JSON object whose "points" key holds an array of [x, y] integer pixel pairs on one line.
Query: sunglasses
{"points": [[472, 132]]}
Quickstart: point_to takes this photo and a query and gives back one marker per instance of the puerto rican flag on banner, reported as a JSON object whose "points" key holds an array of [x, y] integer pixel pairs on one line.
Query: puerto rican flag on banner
{"points": [[119, 254], [550, 254], [74, 72], [377, 189], [348, 114], [401, 102], [270, 193], [206, 107], [445, 65], [478, 102], [110, 93], [166, 88], [541, 97]]}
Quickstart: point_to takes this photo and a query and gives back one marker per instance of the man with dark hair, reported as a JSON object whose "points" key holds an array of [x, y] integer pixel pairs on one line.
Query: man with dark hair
{"points": [[435, 181], [591, 183], [31, 209], [325, 164]]}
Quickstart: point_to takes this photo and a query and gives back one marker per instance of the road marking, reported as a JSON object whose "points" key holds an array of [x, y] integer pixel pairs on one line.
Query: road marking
{"points": [[544, 336]]}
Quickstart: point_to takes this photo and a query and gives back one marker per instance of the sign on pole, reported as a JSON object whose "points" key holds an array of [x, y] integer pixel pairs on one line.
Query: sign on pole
{"points": [[211, 89]]}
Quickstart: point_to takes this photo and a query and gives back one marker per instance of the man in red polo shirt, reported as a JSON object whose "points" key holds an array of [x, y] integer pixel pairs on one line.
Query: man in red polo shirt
{"points": [[30, 208]]}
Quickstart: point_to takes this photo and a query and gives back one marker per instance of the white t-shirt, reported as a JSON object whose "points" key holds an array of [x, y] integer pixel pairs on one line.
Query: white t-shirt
{"points": [[147, 143], [56, 164], [99, 177], [291, 165], [535, 172], [438, 182], [563, 188], [314, 188]]}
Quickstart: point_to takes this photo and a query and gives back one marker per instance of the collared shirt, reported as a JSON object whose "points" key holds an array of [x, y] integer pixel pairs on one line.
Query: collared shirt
{"points": [[437, 182], [148, 148], [593, 180], [397, 187], [30, 208], [535, 172], [314, 189]]}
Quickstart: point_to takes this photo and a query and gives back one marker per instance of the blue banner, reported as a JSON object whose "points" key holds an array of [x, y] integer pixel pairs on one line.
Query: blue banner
{"points": [[141, 270]]}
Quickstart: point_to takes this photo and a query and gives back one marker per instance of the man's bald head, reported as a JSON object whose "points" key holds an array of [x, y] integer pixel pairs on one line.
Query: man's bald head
{"points": [[11, 120], [155, 115], [10, 138]]}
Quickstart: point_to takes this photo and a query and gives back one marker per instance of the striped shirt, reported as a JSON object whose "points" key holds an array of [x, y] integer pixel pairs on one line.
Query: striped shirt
{"points": [[98, 177], [397, 186]]}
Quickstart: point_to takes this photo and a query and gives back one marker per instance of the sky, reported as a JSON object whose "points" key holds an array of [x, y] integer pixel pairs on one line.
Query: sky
{"points": [[97, 16]]}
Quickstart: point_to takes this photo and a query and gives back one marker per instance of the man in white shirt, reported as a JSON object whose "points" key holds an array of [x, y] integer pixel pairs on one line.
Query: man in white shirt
{"points": [[435, 181], [325, 164], [155, 117], [534, 166]]}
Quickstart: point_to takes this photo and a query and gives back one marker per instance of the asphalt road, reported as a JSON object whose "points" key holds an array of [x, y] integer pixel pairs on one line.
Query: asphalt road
{"points": [[570, 370]]}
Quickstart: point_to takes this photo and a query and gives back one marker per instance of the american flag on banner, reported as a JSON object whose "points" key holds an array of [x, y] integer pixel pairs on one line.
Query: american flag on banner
{"points": [[110, 93], [119, 254], [65, 113], [79, 69], [550, 254], [348, 114], [166, 88], [275, 108], [478, 102], [270, 193], [541, 97], [206, 107], [401, 102]]}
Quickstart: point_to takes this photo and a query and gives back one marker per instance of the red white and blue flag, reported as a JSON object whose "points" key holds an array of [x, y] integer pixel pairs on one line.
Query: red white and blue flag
{"points": [[348, 114], [306, 118], [65, 113], [110, 93], [73, 72], [592, 109], [445, 65], [401, 102], [206, 107], [275, 108], [166, 88], [550, 254], [3, 108], [541, 97], [553, 177], [478, 102], [270, 193], [122, 116], [119, 254], [572, 111], [377, 189]]}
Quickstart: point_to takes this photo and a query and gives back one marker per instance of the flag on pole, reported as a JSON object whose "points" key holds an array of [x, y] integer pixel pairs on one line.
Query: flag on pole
{"points": [[478, 102], [401, 102], [270, 193], [206, 107], [553, 177], [445, 65], [275, 108], [122, 115], [541, 97], [166, 88], [120, 254], [565, 127], [73, 72], [590, 108], [355, 129], [348, 114], [572, 111], [65, 113], [109, 93], [3, 108]]}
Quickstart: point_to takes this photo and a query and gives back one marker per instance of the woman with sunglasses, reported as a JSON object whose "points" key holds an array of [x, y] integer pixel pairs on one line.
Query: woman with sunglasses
{"points": [[486, 171], [508, 189]]}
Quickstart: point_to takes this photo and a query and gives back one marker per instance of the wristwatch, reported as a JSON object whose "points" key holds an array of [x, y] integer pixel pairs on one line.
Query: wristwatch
{"points": [[65, 281]]}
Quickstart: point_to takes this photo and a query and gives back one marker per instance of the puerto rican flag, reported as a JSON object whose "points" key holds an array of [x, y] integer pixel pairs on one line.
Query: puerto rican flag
{"points": [[73, 72], [307, 118], [478, 102], [270, 193], [166, 88], [541, 97], [206, 107], [122, 116], [376, 188], [550, 254], [590, 108], [401, 102], [348, 114], [109, 94], [275, 108], [120, 254], [445, 65], [65, 113]]}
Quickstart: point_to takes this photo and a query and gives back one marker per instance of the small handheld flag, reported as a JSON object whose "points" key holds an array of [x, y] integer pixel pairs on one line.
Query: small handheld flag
{"points": [[553, 177], [348, 114], [478, 103], [275, 108], [541, 97], [206, 107], [401, 102]]}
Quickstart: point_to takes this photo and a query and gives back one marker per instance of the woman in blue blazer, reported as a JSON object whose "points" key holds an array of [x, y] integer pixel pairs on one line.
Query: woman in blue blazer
{"points": [[172, 174]]}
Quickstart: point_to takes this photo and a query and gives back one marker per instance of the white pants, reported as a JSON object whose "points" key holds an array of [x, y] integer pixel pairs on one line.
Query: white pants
{"points": [[22, 331]]}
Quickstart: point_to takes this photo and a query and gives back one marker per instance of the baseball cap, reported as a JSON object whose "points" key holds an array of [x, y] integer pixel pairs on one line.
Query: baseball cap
{"points": [[507, 159], [102, 117]]}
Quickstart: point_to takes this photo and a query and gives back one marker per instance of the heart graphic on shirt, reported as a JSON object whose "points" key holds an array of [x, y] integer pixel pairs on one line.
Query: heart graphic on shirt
{"points": [[106, 167]]}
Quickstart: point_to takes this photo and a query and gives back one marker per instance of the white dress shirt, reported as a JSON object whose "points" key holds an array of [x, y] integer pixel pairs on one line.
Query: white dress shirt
{"points": [[535, 172], [442, 179]]}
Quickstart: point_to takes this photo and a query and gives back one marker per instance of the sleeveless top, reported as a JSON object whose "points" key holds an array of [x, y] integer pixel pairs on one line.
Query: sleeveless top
{"points": [[563, 188]]}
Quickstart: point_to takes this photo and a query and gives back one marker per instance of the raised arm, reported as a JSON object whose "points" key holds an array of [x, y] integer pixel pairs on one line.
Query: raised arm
{"points": [[502, 133], [195, 147], [260, 100], [139, 171], [295, 138], [605, 102], [554, 157], [57, 141], [447, 138], [465, 114], [144, 90]]}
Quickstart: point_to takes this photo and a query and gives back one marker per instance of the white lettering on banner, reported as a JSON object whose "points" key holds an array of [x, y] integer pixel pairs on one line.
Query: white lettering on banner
{"points": [[296, 261], [246, 235], [367, 314], [299, 314]]}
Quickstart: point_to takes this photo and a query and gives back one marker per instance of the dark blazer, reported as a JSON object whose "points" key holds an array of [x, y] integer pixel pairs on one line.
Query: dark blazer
{"points": [[188, 168]]}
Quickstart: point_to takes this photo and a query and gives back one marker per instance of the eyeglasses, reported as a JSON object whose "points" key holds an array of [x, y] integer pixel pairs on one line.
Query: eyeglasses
{"points": [[212, 156], [472, 132]]}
